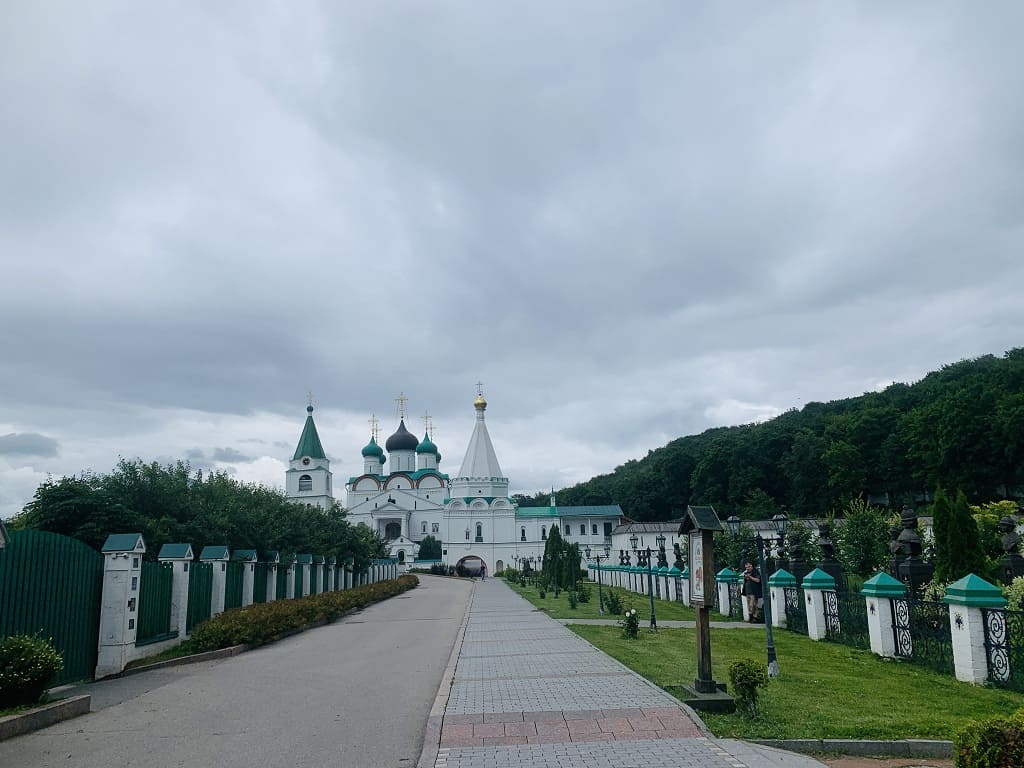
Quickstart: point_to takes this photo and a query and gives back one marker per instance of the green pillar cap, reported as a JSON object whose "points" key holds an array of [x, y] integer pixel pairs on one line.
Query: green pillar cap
{"points": [[673, 571], [663, 569], [727, 575], [883, 585], [974, 591], [782, 578], [818, 579], [686, 572]]}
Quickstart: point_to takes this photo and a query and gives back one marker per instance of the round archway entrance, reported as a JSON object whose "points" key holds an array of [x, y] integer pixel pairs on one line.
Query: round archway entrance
{"points": [[470, 565]]}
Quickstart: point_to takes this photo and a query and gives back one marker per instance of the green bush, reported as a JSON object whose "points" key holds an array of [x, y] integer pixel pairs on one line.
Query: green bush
{"points": [[262, 622], [27, 667], [583, 594], [997, 742], [613, 603], [746, 676], [630, 624]]}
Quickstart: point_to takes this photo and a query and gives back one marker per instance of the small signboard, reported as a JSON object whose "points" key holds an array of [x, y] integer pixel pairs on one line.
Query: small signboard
{"points": [[700, 523], [697, 567]]}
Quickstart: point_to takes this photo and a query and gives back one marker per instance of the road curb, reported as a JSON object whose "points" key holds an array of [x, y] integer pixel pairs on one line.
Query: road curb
{"points": [[864, 747], [40, 717], [432, 736]]}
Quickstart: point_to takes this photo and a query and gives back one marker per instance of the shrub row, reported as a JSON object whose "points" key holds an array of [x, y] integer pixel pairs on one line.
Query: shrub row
{"points": [[997, 742], [262, 622], [27, 667]]}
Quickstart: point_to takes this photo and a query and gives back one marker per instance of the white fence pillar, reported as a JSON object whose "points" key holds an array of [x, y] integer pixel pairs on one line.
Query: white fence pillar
{"points": [[218, 556], [724, 579], [180, 558], [815, 584], [879, 592], [778, 583], [119, 613], [966, 598]]}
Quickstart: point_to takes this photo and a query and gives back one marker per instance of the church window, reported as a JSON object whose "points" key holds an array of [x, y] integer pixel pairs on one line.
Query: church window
{"points": [[467, 534], [305, 483], [522, 534], [544, 532], [567, 531], [593, 530], [435, 527], [424, 526], [607, 529], [583, 529], [479, 532]]}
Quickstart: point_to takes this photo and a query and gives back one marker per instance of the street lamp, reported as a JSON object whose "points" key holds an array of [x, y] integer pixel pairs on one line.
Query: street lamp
{"points": [[600, 594], [633, 541], [643, 557], [779, 521]]}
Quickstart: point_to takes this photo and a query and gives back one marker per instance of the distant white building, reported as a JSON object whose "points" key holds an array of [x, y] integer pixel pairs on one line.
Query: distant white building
{"points": [[472, 514]]}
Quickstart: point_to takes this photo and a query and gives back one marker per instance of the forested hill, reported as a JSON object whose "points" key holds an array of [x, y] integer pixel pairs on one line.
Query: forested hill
{"points": [[959, 427]]}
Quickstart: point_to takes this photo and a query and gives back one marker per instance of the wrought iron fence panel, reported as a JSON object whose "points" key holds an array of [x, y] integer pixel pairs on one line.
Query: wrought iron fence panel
{"points": [[679, 589], [735, 604], [1004, 646], [831, 609], [851, 620], [922, 633], [796, 610]]}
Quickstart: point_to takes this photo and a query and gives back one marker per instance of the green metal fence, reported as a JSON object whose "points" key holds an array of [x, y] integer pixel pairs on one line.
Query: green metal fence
{"points": [[282, 582], [200, 592], [233, 585], [155, 603], [298, 581], [259, 585], [52, 585], [314, 579]]}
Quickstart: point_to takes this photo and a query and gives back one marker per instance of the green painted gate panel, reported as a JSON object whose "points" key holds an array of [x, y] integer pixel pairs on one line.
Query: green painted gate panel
{"points": [[314, 579], [52, 585], [282, 583], [200, 592], [155, 602], [298, 581], [259, 585], [233, 585]]}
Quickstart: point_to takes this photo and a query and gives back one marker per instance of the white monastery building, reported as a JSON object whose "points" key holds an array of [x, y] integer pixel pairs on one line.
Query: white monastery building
{"points": [[472, 514]]}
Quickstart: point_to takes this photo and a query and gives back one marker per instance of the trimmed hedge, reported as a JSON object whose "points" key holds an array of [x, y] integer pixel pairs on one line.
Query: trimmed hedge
{"points": [[997, 742], [261, 623]]}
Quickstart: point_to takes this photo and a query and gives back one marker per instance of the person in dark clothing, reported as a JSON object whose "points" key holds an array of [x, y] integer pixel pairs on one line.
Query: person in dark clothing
{"points": [[751, 590]]}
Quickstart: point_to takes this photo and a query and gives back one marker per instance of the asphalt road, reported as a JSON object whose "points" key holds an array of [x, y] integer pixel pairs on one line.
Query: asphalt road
{"points": [[354, 694]]}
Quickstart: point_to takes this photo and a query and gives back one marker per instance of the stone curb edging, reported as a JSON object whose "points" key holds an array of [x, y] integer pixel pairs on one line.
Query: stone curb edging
{"points": [[864, 747], [40, 717], [432, 736]]}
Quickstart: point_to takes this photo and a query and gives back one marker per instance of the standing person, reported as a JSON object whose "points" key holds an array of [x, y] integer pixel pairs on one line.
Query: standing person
{"points": [[751, 589], [483, 572]]}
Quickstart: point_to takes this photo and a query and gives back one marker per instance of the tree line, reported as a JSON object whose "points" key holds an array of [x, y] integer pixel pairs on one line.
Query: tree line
{"points": [[172, 503], [961, 427]]}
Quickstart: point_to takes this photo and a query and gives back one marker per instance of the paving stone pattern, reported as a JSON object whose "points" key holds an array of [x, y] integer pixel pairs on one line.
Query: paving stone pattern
{"points": [[527, 691]]}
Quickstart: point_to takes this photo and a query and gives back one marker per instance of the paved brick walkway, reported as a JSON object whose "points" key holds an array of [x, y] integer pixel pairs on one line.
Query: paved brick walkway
{"points": [[528, 691]]}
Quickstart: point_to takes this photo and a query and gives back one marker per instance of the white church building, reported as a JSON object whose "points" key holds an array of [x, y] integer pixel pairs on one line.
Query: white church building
{"points": [[471, 514]]}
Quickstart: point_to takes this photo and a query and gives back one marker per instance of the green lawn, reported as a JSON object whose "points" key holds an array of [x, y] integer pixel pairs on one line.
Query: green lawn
{"points": [[558, 608], [825, 690]]}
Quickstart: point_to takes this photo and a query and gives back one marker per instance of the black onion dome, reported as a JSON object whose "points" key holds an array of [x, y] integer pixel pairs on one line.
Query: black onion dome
{"points": [[402, 440]]}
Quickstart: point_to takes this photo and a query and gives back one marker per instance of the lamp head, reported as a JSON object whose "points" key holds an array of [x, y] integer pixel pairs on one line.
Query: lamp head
{"points": [[780, 521]]}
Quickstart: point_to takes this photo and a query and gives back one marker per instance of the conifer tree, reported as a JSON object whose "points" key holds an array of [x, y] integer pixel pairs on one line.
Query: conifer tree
{"points": [[554, 551], [941, 512], [963, 543]]}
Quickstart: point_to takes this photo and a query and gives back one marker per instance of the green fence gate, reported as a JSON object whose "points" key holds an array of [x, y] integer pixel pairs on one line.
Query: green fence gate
{"points": [[200, 592], [233, 585], [52, 585], [282, 583], [155, 603]]}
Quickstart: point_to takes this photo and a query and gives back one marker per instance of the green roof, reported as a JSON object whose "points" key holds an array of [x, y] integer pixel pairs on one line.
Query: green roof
{"points": [[248, 555], [883, 585], [272, 556], [309, 442], [584, 510], [818, 579], [372, 449], [214, 553], [124, 542], [426, 445], [175, 552], [974, 591], [419, 473], [304, 559]]}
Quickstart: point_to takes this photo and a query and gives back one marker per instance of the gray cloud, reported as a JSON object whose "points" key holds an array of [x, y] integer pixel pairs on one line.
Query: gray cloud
{"points": [[629, 222], [229, 455], [28, 444]]}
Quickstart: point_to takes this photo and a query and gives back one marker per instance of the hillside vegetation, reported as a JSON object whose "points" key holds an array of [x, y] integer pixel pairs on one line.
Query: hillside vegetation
{"points": [[961, 427]]}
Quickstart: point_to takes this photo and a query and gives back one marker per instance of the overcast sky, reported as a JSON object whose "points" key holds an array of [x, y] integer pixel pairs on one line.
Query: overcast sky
{"points": [[630, 220]]}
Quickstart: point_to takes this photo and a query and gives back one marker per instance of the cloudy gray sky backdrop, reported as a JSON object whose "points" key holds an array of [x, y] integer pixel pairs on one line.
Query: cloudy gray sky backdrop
{"points": [[630, 220]]}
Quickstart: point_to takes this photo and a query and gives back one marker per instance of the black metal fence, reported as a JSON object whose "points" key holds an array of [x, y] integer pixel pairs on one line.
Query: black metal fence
{"points": [[796, 610], [1004, 646], [846, 619], [735, 602], [922, 633]]}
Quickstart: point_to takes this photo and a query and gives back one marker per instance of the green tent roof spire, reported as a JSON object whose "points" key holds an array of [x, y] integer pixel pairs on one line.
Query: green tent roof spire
{"points": [[309, 443]]}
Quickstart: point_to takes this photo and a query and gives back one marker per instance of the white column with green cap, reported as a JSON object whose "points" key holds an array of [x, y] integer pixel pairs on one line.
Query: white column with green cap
{"points": [[218, 556], [180, 558], [723, 580], [778, 583], [966, 597], [815, 584], [879, 592], [119, 609]]}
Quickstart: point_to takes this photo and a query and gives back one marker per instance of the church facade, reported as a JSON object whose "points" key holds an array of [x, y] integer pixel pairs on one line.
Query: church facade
{"points": [[471, 514]]}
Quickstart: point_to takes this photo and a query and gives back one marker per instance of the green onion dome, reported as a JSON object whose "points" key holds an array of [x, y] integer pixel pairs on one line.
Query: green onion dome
{"points": [[372, 449]]}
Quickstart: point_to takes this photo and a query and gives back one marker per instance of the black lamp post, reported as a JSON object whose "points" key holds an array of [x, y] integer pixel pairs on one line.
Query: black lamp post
{"points": [[600, 594], [643, 557], [780, 522]]}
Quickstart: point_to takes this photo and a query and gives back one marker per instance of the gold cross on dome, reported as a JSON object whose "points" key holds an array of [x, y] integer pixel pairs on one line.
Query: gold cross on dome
{"points": [[480, 388], [309, 398], [401, 400], [428, 423], [374, 425]]}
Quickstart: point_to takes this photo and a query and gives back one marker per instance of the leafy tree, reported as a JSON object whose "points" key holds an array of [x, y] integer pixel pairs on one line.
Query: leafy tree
{"points": [[430, 549], [862, 537], [941, 518], [733, 551]]}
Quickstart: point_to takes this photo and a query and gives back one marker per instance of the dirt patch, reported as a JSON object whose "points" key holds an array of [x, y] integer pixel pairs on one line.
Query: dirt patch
{"points": [[886, 762]]}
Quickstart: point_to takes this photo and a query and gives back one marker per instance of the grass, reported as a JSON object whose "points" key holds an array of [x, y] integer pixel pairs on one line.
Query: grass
{"points": [[175, 652], [558, 608], [826, 690]]}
